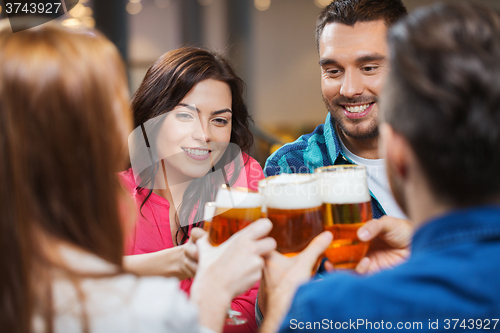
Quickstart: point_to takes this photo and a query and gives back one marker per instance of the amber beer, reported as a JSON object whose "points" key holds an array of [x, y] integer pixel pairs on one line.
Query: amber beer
{"points": [[293, 205], [235, 210], [346, 206]]}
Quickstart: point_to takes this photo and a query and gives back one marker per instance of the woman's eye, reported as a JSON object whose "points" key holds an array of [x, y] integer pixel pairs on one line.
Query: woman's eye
{"points": [[220, 121], [184, 116]]}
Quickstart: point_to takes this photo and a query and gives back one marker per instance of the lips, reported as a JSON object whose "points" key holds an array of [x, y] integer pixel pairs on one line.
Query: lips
{"points": [[357, 111], [197, 153]]}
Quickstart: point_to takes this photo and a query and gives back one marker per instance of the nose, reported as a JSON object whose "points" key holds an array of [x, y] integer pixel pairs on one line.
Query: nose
{"points": [[202, 132], [352, 85]]}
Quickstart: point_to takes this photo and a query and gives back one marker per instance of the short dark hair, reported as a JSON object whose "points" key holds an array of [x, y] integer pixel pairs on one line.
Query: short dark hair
{"points": [[349, 12], [443, 96]]}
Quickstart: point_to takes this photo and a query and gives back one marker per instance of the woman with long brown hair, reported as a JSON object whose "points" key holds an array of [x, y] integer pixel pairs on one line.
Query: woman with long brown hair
{"points": [[64, 120], [191, 136]]}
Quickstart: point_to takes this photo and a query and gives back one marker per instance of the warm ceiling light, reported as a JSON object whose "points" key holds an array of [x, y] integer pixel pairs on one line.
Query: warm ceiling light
{"points": [[72, 23], [262, 4], [322, 3], [88, 22], [78, 11], [134, 8]]}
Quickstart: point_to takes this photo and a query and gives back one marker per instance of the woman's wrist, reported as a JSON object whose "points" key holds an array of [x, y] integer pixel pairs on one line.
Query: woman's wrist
{"points": [[212, 300], [165, 263]]}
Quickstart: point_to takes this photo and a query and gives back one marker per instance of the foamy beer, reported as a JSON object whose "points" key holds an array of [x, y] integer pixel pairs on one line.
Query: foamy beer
{"points": [[346, 206], [235, 209], [293, 204], [208, 215]]}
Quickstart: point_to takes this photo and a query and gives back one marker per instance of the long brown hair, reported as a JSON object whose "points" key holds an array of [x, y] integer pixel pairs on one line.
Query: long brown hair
{"points": [[63, 125], [166, 83]]}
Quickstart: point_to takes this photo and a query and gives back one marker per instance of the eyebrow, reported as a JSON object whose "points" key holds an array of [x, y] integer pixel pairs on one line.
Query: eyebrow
{"points": [[213, 113], [360, 60]]}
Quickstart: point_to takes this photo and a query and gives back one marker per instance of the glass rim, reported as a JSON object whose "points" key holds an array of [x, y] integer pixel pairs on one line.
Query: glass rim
{"points": [[312, 177], [237, 189], [333, 168]]}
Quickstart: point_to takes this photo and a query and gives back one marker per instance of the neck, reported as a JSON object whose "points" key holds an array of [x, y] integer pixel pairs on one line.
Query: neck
{"points": [[169, 187], [367, 148], [422, 204]]}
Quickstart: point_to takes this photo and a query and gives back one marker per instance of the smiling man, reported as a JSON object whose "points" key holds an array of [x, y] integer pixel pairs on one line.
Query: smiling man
{"points": [[351, 41], [440, 137]]}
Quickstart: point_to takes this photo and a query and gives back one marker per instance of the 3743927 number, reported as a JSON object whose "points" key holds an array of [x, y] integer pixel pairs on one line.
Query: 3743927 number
{"points": [[32, 8], [472, 324]]}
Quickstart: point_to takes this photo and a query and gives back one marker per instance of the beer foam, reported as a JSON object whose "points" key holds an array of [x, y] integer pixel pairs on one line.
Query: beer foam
{"points": [[232, 198], [209, 211], [344, 186], [291, 191]]}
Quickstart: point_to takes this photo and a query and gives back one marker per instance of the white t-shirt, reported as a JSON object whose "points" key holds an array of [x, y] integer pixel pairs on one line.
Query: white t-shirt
{"points": [[377, 182], [120, 304]]}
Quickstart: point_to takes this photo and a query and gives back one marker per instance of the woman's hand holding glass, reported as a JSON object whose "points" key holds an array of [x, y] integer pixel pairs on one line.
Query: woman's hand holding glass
{"points": [[231, 268]]}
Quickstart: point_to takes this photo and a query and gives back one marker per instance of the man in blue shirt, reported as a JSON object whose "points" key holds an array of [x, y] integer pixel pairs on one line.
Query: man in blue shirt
{"points": [[441, 140], [352, 47]]}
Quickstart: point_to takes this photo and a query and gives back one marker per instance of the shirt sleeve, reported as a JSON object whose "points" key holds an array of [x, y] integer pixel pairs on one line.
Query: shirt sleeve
{"points": [[160, 306], [245, 303]]}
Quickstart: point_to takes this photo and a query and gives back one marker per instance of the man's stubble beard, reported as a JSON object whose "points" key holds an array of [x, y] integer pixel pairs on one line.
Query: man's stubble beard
{"points": [[339, 119]]}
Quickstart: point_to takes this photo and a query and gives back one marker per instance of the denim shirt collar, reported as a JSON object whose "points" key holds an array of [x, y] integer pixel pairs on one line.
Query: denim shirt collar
{"points": [[459, 226], [332, 140]]}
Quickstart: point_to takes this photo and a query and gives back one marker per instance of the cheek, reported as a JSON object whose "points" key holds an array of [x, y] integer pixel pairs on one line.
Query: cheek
{"points": [[222, 134], [375, 84], [329, 88], [171, 137]]}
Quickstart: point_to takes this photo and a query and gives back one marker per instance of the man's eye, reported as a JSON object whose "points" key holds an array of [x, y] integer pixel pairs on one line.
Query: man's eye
{"points": [[333, 72], [369, 68]]}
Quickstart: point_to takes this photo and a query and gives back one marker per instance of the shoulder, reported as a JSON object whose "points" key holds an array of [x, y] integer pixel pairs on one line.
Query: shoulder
{"points": [[127, 303], [422, 288], [253, 173], [296, 155]]}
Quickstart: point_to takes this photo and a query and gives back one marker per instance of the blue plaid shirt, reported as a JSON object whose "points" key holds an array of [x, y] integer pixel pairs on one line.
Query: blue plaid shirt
{"points": [[310, 151]]}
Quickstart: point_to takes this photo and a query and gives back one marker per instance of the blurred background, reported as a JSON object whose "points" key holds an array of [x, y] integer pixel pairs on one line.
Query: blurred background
{"points": [[270, 43]]}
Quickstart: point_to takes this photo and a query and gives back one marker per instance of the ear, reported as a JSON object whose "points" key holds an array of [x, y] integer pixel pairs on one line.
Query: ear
{"points": [[395, 149]]}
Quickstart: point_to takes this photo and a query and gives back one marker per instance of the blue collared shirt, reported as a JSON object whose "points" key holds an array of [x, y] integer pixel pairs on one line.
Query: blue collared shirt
{"points": [[451, 280]]}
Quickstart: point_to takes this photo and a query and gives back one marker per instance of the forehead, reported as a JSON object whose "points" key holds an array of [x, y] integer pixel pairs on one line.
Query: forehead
{"points": [[345, 43], [209, 92]]}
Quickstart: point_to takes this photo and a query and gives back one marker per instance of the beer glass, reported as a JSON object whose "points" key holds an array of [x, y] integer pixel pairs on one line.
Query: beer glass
{"points": [[346, 206], [208, 215], [293, 204], [235, 208]]}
